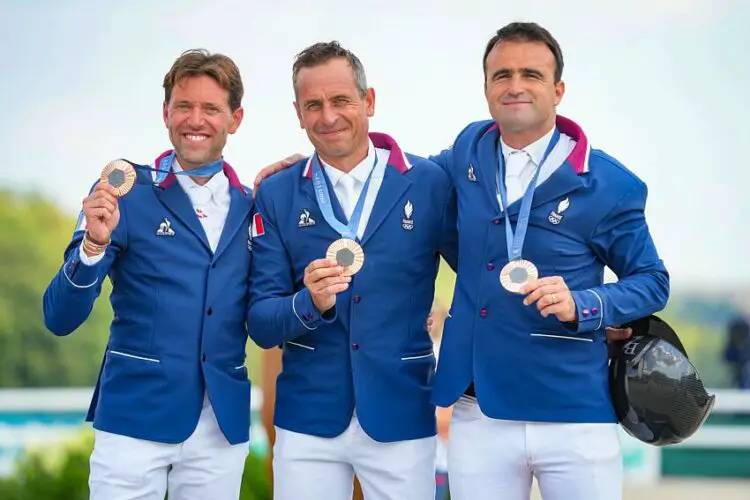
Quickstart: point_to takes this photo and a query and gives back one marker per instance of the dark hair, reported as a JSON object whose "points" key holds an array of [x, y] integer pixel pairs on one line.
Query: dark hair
{"points": [[198, 62], [526, 32], [322, 52]]}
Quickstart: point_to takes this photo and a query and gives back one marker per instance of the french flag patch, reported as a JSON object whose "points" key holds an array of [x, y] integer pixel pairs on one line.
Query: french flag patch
{"points": [[257, 229]]}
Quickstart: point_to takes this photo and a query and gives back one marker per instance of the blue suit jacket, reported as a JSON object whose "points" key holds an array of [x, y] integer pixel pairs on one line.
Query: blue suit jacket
{"points": [[179, 315], [373, 351], [588, 214]]}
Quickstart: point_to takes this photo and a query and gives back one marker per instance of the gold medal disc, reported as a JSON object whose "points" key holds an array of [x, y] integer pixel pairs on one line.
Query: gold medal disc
{"points": [[516, 273], [120, 175], [348, 254]]}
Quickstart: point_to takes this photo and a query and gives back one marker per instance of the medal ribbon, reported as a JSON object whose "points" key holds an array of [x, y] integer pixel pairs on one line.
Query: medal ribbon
{"points": [[324, 201], [515, 241], [207, 170]]}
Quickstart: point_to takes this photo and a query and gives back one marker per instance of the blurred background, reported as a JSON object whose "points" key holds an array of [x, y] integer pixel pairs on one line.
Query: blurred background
{"points": [[660, 85]]}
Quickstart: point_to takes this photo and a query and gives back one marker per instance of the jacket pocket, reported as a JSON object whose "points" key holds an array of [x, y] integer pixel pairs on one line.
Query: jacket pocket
{"points": [[419, 355], [561, 337], [122, 353], [298, 345]]}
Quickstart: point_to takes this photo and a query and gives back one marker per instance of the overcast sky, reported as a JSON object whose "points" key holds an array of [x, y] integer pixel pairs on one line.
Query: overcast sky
{"points": [[662, 85]]}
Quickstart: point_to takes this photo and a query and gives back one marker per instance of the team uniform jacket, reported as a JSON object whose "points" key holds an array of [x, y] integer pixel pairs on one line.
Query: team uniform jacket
{"points": [[587, 215], [372, 352], [179, 314]]}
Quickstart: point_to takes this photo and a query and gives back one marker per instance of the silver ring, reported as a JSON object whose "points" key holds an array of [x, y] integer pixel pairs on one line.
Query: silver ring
{"points": [[554, 298]]}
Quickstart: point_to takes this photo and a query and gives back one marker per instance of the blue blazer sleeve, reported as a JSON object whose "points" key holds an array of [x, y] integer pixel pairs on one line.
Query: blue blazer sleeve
{"points": [[623, 242], [449, 235], [464, 139], [445, 160], [70, 296], [279, 310]]}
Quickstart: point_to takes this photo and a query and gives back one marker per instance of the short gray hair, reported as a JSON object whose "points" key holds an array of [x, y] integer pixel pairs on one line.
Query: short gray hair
{"points": [[322, 52]]}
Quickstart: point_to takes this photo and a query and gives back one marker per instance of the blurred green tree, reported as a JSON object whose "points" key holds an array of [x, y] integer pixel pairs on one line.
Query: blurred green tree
{"points": [[34, 236]]}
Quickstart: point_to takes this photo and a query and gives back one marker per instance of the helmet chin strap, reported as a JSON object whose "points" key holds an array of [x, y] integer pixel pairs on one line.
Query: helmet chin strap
{"points": [[656, 327]]}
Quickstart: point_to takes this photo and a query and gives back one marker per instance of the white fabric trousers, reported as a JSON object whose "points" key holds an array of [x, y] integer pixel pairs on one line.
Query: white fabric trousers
{"points": [[491, 459], [312, 467], [204, 467]]}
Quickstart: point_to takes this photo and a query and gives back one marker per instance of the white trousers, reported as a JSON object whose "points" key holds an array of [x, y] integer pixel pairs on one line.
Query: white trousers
{"points": [[312, 467], [491, 459], [204, 467]]}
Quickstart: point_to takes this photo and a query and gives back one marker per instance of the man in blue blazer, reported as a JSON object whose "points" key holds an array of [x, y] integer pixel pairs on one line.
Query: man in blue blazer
{"points": [[345, 254], [172, 402], [523, 357]]}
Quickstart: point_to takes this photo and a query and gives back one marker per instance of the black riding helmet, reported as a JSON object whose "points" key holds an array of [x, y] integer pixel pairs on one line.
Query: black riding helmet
{"points": [[657, 394]]}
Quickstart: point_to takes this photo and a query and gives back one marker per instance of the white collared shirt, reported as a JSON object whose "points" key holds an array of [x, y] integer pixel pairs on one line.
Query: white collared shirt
{"points": [[348, 186], [210, 201], [520, 164]]}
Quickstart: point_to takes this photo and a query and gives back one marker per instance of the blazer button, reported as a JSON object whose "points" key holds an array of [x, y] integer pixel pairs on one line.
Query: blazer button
{"points": [[594, 311], [357, 298], [483, 313], [496, 222], [490, 266], [585, 312], [355, 347], [209, 311]]}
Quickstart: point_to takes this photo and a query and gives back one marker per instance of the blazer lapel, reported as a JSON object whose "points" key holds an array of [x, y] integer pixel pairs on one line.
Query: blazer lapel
{"points": [[239, 209], [391, 191], [174, 198], [308, 190], [486, 157], [307, 186], [561, 182]]}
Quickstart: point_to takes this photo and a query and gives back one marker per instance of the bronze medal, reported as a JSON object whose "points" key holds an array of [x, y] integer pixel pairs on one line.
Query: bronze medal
{"points": [[516, 273], [348, 254], [120, 175]]}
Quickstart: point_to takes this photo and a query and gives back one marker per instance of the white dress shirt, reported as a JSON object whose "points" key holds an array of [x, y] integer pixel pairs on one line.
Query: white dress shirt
{"points": [[348, 186], [210, 202], [520, 164]]}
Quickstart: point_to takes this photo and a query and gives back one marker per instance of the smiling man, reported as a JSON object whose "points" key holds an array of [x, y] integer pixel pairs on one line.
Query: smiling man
{"points": [[171, 406], [523, 358], [343, 278]]}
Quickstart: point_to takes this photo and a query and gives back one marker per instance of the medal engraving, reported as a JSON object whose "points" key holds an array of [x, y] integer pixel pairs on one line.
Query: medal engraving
{"points": [[345, 257], [515, 274], [120, 175], [348, 254]]}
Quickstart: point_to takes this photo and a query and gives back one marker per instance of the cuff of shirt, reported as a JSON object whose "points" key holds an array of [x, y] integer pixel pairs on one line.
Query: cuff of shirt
{"points": [[81, 270], [307, 313], [86, 260], [589, 309]]}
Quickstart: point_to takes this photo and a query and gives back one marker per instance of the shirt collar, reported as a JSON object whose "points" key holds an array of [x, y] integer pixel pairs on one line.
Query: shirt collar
{"points": [[218, 184], [360, 172], [535, 150]]}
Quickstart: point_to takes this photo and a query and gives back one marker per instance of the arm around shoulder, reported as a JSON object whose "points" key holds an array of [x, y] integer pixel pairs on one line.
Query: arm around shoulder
{"points": [[449, 234]]}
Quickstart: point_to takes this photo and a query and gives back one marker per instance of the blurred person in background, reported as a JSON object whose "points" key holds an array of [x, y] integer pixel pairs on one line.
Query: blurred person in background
{"points": [[171, 407], [737, 351]]}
